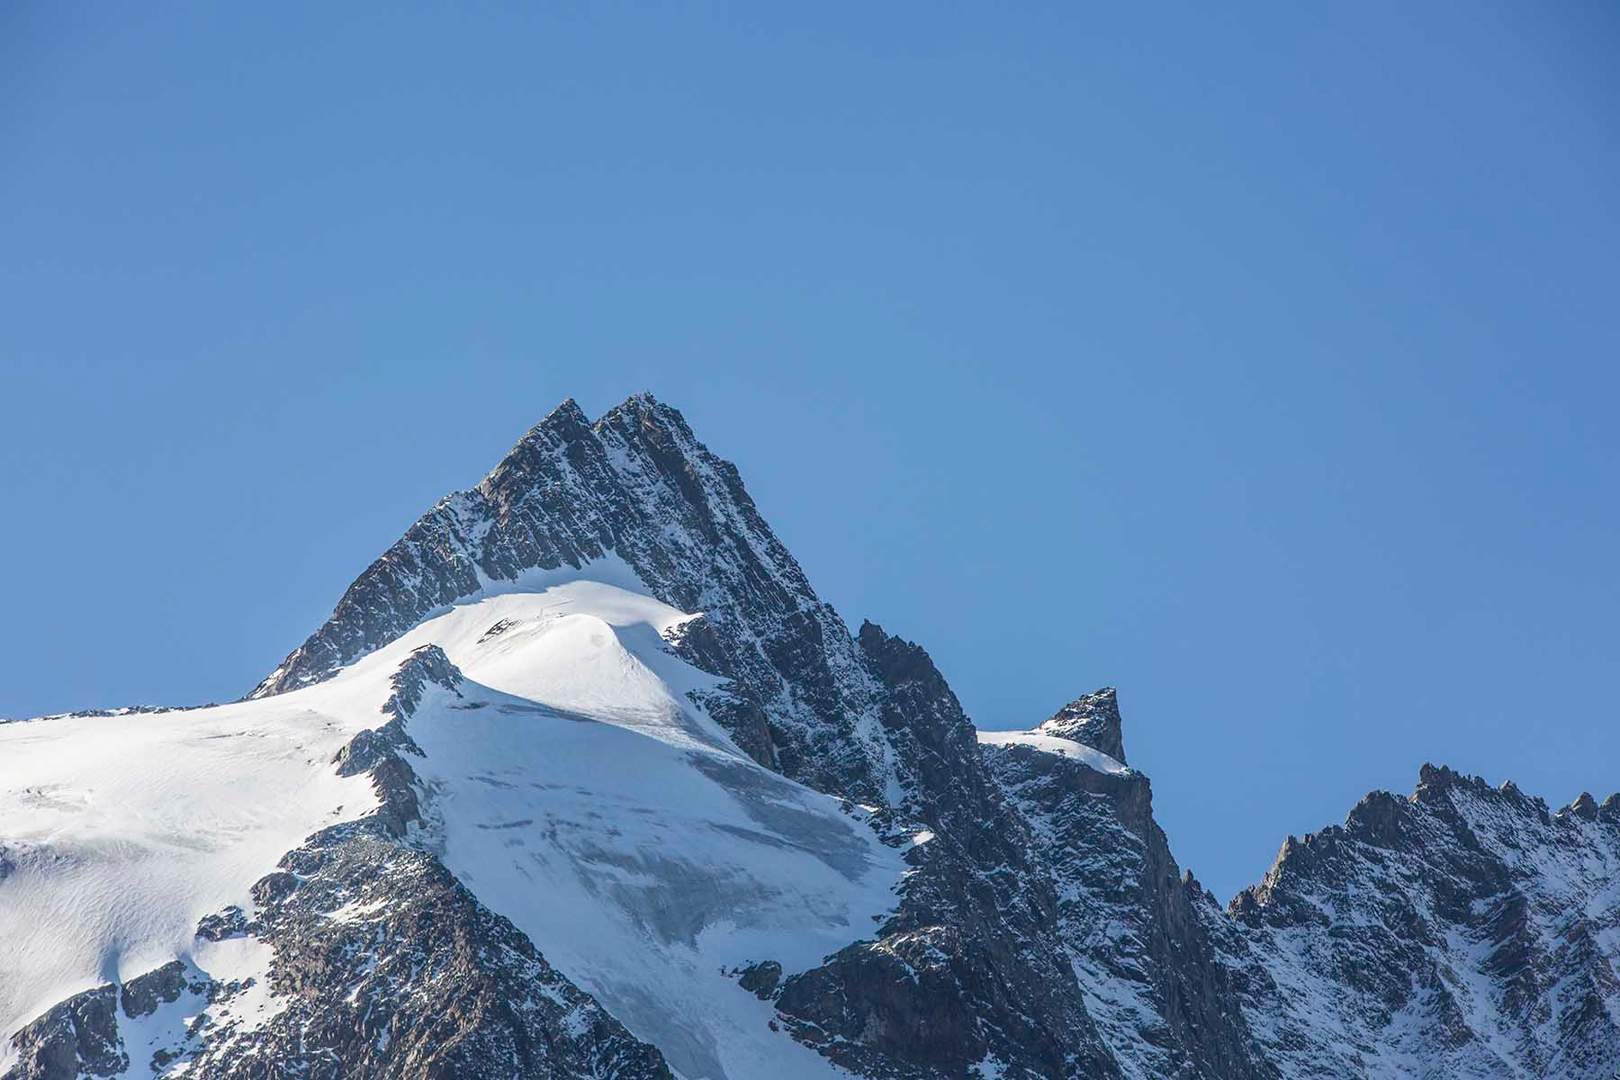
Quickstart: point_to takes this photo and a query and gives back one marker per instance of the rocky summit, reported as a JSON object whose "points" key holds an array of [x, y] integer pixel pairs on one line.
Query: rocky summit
{"points": [[582, 779]]}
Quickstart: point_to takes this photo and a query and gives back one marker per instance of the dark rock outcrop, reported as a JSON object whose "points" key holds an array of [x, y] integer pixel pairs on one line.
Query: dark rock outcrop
{"points": [[142, 995], [223, 925], [77, 1038], [761, 979]]}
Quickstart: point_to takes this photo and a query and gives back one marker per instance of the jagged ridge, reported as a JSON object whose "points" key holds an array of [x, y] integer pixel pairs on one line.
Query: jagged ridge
{"points": [[637, 485]]}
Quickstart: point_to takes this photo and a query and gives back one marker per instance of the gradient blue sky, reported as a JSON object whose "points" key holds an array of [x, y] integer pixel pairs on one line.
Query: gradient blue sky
{"points": [[1263, 365]]}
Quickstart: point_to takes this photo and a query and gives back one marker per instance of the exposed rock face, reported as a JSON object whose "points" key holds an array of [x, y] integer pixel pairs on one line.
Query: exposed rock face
{"points": [[383, 965], [969, 970], [1043, 930], [434, 984], [1464, 931], [79, 1037], [638, 485], [82, 1035], [1091, 720], [1132, 927]]}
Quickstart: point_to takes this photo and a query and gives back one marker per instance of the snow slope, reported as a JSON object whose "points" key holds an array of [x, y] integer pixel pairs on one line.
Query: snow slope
{"points": [[578, 792], [570, 783], [121, 832], [1051, 744]]}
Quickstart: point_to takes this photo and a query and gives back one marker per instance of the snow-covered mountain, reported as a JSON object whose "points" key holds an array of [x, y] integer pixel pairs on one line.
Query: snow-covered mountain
{"points": [[582, 779]]}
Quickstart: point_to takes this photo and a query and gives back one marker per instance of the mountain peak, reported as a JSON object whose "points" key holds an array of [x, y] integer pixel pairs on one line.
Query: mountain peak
{"points": [[642, 417], [1584, 806], [567, 408], [569, 492], [567, 416], [638, 487], [1091, 720], [641, 399], [562, 426]]}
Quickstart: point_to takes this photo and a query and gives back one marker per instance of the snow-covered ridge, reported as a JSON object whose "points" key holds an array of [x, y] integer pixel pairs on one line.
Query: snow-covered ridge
{"points": [[119, 833], [570, 778], [637, 487], [1051, 744], [575, 715]]}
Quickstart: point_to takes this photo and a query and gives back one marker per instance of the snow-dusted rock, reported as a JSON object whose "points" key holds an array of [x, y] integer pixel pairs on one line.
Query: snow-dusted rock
{"points": [[637, 485], [1090, 720], [1461, 931]]}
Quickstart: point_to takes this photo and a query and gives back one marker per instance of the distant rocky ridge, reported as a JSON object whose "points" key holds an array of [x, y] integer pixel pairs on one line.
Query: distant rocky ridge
{"points": [[1463, 931], [1044, 928]]}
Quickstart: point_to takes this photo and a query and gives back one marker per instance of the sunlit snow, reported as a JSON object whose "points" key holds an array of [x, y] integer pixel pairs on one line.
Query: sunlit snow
{"points": [[1051, 744], [572, 785]]}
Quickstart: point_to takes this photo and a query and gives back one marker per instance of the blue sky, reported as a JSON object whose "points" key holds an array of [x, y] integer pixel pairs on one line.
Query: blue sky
{"points": [[1262, 364]]}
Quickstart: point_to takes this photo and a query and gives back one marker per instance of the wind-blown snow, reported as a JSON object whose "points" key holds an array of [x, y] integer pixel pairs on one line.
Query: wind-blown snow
{"points": [[124, 831], [572, 785]]}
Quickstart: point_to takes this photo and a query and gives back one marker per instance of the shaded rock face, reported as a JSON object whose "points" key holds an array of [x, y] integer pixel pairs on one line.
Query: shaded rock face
{"points": [[1044, 929], [1132, 928], [967, 974]]}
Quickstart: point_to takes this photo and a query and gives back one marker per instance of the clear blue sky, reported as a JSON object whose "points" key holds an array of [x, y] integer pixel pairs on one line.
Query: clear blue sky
{"points": [[1263, 365]]}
